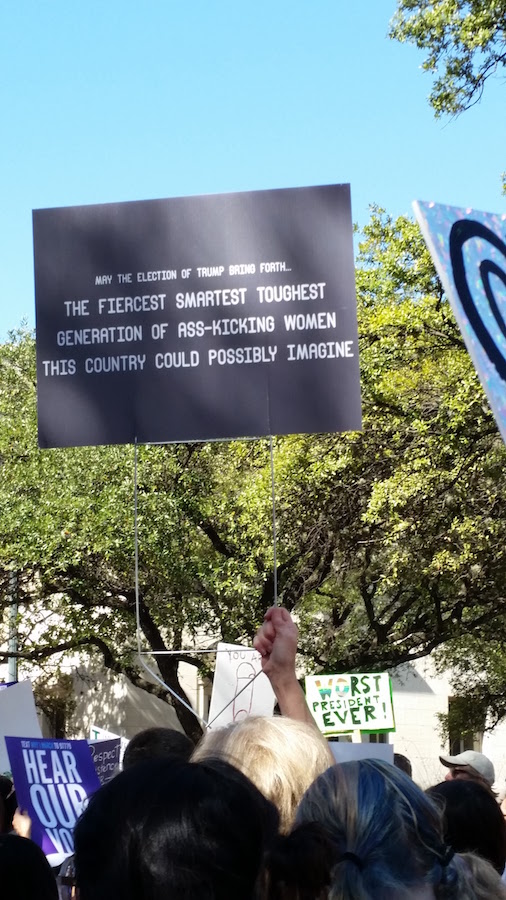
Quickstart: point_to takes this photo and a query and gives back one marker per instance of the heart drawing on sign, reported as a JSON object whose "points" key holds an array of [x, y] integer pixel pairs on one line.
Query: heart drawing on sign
{"points": [[462, 231]]}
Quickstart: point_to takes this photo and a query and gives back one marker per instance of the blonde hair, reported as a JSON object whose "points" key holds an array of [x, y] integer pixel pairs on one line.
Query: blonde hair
{"points": [[280, 756], [484, 881]]}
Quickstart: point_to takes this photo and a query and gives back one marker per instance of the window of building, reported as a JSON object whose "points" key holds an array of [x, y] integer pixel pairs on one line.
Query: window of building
{"points": [[376, 738], [461, 738]]}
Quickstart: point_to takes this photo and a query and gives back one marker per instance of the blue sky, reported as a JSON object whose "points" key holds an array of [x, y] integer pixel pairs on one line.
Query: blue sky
{"points": [[115, 101]]}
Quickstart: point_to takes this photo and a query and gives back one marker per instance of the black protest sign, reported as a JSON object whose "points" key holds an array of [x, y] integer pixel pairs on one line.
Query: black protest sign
{"points": [[106, 758], [196, 318]]}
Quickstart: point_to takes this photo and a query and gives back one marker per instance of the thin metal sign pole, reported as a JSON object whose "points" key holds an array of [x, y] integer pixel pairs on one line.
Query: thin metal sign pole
{"points": [[274, 535]]}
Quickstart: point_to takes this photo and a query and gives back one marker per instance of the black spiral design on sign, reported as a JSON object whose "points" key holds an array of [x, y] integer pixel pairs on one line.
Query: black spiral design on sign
{"points": [[462, 231]]}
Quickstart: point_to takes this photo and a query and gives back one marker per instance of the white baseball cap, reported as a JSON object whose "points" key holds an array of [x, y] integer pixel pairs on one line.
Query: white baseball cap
{"points": [[477, 761]]}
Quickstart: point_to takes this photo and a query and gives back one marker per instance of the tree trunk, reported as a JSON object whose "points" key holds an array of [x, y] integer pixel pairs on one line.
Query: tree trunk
{"points": [[189, 722]]}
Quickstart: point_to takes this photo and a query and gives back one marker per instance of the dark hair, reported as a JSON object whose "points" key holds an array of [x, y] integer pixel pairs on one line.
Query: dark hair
{"points": [[25, 873], [364, 830], [8, 803], [299, 864], [473, 820], [403, 763], [174, 829], [156, 743]]}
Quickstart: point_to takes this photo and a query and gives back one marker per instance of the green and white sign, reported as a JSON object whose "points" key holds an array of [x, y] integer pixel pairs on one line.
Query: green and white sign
{"points": [[344, 703]]}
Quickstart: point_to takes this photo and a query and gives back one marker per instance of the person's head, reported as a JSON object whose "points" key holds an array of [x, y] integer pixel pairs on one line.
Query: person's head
{"points": [[402, 762], [157, 743], [485, 881], [473, 820], [8, 803], [365, 831], [174, 829], [469, 766], [280, 756], [25, 873]]}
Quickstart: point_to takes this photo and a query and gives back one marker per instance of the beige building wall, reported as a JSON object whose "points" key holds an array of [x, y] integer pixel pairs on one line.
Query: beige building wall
{"points": [[419, 694], [112, 702]]}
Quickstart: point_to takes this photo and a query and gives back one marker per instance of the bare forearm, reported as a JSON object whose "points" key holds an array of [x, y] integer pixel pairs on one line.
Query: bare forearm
{"points": [[291, 699]]}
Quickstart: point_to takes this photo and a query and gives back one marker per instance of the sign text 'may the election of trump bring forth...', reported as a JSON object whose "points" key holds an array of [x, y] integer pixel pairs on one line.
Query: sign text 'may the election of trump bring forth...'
{"points": [[197, 318], [346, 703], [53, 780]]}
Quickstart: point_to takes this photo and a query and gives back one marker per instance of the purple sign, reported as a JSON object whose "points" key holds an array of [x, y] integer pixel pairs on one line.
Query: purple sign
{"points": [[53, 779], [197, 318]]}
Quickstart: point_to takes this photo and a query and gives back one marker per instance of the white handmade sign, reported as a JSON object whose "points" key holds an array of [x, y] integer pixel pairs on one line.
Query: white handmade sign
{"points": [[344, 703], [345, 751], [240, 688], [18, 717]]}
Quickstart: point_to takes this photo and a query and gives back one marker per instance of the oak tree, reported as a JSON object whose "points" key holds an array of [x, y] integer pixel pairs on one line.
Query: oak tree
{"points": [[390, 542]]}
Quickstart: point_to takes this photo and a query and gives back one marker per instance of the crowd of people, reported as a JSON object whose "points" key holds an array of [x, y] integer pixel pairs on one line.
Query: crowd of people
{"points": [[260, 811]]}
